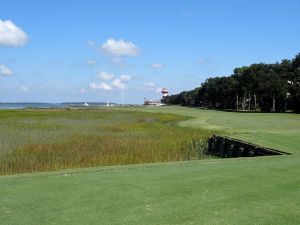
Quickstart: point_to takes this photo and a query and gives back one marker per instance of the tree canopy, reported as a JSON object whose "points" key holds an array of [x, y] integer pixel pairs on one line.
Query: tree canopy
{"points": [[260, 86]]}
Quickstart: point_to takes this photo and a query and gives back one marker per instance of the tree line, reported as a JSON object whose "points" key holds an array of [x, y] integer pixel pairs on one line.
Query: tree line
{"points": [[258, 87]]}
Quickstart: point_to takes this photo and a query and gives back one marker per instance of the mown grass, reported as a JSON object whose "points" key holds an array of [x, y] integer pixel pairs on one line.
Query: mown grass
{"points": [[42, 140], [248, 191], [276, 130]]}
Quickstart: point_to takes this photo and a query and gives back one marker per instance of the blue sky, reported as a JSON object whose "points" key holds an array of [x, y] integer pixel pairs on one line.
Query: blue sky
{"points": [[56, 51]]}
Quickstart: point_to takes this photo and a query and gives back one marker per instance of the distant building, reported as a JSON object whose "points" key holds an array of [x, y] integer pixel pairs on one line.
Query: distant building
{"points": [[164, 93], [152, 102]]}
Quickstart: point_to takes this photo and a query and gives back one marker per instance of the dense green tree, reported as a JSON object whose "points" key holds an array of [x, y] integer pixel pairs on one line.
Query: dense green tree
{"points": [[268, 87], [294, 83]]}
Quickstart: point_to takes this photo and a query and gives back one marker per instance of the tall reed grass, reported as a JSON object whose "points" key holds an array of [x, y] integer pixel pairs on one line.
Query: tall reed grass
{"points": [[42, 140]]}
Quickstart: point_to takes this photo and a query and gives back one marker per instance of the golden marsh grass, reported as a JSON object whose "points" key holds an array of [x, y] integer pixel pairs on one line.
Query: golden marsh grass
{"points": [[43, 140]]}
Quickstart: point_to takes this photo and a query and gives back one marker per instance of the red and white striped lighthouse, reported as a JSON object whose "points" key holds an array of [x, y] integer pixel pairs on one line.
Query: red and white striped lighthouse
{"points": [[165, 92]]}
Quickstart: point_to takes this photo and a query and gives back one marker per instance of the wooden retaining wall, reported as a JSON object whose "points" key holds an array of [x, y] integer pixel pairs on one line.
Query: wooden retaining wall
{"points": [[226, 147]]}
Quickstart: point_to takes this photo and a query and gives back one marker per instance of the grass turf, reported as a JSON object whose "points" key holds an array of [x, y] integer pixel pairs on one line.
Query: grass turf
{"points": [[277, 130], [262, 190]]}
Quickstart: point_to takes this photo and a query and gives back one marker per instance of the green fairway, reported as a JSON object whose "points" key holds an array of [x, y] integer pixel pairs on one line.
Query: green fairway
{"points": [[262, 190], [277, 130]]}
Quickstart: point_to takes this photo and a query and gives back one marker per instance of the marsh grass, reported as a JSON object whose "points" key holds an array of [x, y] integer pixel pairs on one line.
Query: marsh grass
{"points": [[43, 140]]}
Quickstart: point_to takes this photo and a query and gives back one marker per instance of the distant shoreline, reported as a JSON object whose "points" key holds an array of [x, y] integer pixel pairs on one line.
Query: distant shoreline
{"points": [[24, 105]]}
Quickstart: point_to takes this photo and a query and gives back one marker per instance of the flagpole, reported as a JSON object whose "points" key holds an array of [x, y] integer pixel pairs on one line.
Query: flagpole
{"points": [[122, 96]]}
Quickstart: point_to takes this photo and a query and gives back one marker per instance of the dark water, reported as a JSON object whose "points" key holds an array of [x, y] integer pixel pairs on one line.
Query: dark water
{"points": [[37, 105]]}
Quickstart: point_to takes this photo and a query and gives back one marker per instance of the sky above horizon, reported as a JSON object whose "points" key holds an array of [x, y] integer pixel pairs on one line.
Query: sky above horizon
{"points": [[58, 51]]}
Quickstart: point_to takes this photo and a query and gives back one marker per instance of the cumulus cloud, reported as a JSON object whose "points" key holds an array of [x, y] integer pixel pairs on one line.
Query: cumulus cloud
{"points": [[118, 83], [119, 48], [93, 85], [11, 35], [105, 86], [125, 77], [102, 86], [157, 65], [105, 75], [4, 71], [110, 83], [23, 89], [91, 62]]}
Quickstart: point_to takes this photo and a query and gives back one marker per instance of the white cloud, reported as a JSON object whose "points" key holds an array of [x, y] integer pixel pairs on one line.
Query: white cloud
{"points": [[23, 89], [105, 86], [157, 65], [91, 62], [105, 75], [102, 86], [82, 90], [11, 35], [118, 83], [149, 85], [93, 85], [125, 77], [119, 48], [4, 71]]}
